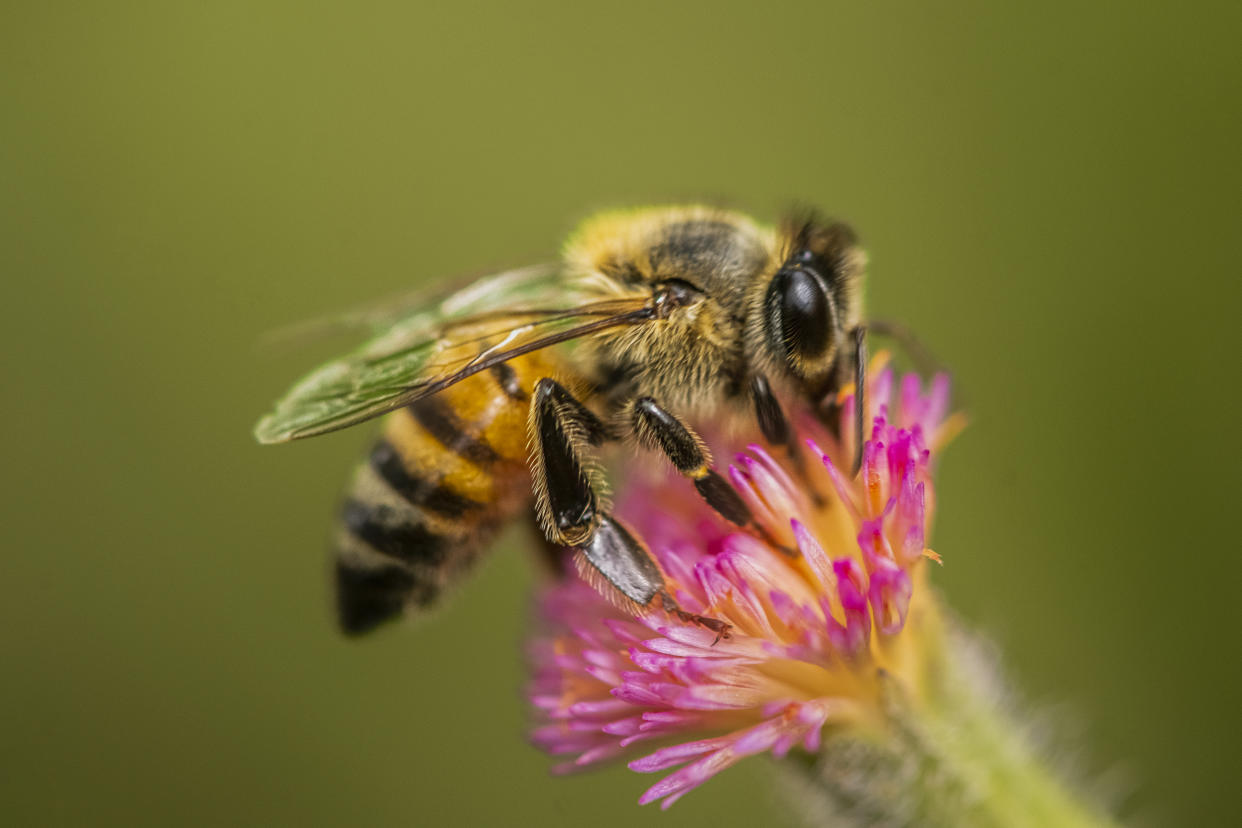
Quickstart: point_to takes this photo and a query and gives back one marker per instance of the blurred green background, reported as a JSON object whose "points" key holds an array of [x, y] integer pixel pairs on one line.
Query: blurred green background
{"points": [[1050, 194]]}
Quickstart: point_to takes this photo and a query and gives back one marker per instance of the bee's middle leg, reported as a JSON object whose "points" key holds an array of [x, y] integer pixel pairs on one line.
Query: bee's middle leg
{"points": [[657, 428]]}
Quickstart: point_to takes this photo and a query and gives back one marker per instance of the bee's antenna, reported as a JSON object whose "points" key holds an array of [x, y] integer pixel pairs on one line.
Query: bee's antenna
{"points": [[925, 362]]}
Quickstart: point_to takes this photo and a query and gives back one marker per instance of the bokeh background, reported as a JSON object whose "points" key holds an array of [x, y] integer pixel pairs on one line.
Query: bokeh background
{"points": [[1050, 193]]}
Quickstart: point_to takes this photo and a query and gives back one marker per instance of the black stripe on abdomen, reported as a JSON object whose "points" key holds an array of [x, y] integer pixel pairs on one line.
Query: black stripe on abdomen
{"points": [[391, 533], [431, 495], [509, 382], [368, 596], [439, 420]]}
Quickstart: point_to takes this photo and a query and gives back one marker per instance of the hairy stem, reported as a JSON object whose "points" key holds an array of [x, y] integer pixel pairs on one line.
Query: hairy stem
{"points": [[953, 757]]}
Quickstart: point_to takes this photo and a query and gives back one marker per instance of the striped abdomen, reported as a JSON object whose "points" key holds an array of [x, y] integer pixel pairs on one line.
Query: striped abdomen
{"points": [[448, 472]]}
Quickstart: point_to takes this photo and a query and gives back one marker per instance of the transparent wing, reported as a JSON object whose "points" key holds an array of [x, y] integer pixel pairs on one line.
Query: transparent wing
{"points": [[488, 323], [377, 317]]}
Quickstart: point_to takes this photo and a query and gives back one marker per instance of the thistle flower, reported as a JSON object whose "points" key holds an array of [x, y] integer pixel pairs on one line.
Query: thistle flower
{"points": [[834, 633]]}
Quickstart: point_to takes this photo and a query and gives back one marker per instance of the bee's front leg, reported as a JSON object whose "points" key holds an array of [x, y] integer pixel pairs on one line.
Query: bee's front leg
{"points": [[568, 489], [627, 572], [572, 512]]}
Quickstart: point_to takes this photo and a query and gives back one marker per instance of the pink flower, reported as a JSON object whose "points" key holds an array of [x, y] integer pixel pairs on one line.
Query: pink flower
{"points": [[824, 608]]}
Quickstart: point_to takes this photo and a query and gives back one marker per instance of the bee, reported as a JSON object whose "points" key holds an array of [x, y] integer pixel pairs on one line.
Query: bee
{"points": [[497, 399]]}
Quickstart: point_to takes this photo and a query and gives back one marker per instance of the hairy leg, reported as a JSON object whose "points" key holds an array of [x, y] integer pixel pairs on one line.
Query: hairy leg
{"points": [[573, 514]]}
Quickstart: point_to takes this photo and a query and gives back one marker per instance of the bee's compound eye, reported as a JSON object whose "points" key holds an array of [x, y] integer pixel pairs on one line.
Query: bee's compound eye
{"points": [[800, 313]]}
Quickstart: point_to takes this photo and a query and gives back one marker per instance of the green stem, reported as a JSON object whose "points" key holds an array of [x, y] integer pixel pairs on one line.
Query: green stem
{"points": [[954, 757]]}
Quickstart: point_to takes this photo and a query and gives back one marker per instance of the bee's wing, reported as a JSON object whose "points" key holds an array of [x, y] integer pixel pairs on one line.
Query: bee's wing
{"points": [[377, 317], [490, 322]]}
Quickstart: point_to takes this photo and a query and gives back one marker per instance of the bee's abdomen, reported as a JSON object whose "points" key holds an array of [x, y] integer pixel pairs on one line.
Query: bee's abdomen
{"points": [[447, 473]]}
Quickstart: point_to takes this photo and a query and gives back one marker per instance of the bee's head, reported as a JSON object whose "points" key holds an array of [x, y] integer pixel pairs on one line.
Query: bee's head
{"points": [[811, 302]]}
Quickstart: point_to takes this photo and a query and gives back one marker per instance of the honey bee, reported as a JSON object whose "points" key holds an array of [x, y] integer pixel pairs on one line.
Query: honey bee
{"points": [[497, 399]]}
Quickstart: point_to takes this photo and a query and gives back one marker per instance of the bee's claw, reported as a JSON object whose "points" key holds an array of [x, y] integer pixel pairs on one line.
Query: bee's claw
{"points": [[723, 629]]}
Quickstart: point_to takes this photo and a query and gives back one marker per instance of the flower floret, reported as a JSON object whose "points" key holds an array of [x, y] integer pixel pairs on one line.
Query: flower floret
{"points": [[813, 601]]}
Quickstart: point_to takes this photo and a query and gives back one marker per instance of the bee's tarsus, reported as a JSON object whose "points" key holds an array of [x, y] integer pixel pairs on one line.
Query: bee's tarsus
{"points": [[724, 499], [723, 629], [623, 562]]}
